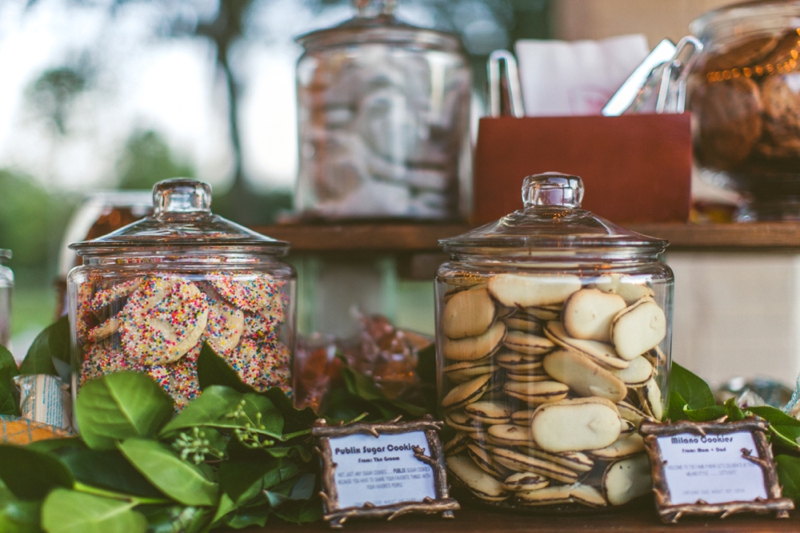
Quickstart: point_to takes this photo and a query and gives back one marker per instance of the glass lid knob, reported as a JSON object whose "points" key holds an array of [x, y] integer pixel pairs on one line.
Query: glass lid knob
{"points": [[181, 196], [552, 189]]}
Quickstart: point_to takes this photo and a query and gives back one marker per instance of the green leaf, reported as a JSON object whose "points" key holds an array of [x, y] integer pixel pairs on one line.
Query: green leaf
{"points": [[691, 388], [706, 414], [212, 405], [9, 399], [107, 469], [52, 344], [735, 414], [56, 446], [785, 429], [18, 516], [243, 480], [119, 406], [29, 474], [176, 519], [68, 511], [216, 403], [301, 511], [677, 407], [225, 507], [788, 468], [293, 419], [178, 479], [242, 518], [213, 370]]}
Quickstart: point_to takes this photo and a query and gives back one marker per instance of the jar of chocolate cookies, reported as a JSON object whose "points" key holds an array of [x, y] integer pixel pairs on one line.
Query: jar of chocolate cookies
{"points": [[553, 344], [156, 294], [745, 95]]}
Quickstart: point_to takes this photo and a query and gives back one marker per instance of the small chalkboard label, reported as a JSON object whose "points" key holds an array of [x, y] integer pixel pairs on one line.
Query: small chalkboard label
{"points": [[377, 470], [713, 468]]}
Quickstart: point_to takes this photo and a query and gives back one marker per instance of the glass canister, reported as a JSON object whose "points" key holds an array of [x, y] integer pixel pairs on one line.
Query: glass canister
{"points": [[6, 287], [383, 120], [150, 295], [744, 93], [553, 344]]}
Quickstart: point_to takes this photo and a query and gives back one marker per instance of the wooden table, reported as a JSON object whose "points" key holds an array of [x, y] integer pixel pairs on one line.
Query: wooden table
{"points": [[489, 521]]}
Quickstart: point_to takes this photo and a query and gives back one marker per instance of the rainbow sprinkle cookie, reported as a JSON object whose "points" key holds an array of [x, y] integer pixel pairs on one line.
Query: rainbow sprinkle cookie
{"points": [[102, 359], [225, 327], [103, 298], [251, 291], [161, 332], [262, 365]]}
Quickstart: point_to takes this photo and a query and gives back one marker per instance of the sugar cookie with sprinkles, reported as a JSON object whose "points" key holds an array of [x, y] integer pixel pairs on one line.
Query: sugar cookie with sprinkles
{"points": [[102, 359], [83, 316], [105, 297], [104, 330], [224, 328], [249, 291], [260, 326], [160, 332]]}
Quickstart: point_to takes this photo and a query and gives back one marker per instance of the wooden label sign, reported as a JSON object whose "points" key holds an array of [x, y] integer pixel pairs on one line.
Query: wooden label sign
{"points": [[377, 470], [713, 468]]}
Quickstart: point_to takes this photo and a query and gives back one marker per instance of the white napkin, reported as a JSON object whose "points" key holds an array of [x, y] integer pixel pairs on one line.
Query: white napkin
{"points": [[575, 78]]}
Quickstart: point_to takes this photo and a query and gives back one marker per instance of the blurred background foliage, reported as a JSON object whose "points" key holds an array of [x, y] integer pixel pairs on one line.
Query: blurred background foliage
{"points": [[35, 209]]}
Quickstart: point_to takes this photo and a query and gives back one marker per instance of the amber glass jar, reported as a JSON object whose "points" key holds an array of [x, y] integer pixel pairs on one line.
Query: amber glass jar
{"points": [[553, 343], [150, 295], [744, 93]]}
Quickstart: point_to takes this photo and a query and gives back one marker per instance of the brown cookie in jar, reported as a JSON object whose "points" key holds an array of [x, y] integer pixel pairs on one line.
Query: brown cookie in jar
{"points": [[785, 53], [781, 95], [729, 121], [742, 55]]}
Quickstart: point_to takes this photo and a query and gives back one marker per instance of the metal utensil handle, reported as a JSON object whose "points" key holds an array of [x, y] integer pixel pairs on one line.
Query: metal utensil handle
{"points": [[675, 74], [512, 84]]}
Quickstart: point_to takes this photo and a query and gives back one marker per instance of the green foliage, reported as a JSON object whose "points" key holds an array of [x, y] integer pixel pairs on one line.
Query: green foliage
{"points": [[50, 352], [361, 395], [18, 516], [29, 474], [9, 400], [147, 159], [120, 406], [69, 511], [789, 475]]}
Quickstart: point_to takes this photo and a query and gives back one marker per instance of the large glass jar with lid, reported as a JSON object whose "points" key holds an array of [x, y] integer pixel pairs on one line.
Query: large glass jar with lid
{"points": [[744, 93], [383, 119], [152, 294], [553, 344]]}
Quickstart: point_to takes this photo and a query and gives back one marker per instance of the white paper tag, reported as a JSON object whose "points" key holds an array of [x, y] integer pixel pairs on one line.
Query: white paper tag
{"points": [[711, 468], [382, 470]]}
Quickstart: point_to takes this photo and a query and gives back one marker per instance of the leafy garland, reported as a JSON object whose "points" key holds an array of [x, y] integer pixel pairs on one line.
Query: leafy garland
{"points": [[233, 457]]}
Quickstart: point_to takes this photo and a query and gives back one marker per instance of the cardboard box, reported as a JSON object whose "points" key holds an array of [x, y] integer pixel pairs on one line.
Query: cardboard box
{"points": [[635, 168]]}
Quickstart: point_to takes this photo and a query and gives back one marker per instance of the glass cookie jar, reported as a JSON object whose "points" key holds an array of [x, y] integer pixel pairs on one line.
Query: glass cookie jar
{"points": [[553, 344], [383, 119], [151, 294]]}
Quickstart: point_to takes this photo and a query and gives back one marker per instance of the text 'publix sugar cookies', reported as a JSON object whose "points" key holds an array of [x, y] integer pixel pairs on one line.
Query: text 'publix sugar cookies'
{"points": [[150, 296], [553, 344]]}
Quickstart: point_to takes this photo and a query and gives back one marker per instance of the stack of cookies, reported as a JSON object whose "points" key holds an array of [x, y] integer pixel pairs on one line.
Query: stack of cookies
{"points": [[546, 378], [158, 323], [747, 102]]}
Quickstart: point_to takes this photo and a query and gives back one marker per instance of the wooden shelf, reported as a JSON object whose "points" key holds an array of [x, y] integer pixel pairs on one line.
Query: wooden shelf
{"points": [[423, 238], [483, 521]]}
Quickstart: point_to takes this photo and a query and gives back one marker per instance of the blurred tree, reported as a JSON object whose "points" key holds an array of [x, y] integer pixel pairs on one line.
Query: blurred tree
{"points": [[53, 92], [146, 160]]}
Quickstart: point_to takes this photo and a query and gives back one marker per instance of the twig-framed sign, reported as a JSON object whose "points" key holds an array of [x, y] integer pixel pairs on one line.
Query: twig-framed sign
{"points": [[713, 468], [382, 470]]}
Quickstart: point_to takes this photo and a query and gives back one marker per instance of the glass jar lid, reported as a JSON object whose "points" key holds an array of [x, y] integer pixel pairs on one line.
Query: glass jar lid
{"points": [[375, 23], [182, 219], [552, 222]]}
